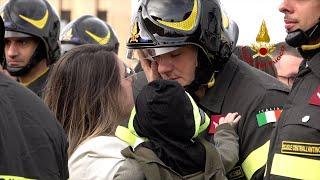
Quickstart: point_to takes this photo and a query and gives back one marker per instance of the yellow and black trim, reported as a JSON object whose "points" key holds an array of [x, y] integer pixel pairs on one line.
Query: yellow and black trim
{"points": [[255, 160], [295, 167], [10, 177]]}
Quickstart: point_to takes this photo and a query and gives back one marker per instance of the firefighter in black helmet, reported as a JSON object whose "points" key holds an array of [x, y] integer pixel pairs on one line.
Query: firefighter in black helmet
{"points": [[33, 144], [88, 30], [31, 41], [189, 42]]}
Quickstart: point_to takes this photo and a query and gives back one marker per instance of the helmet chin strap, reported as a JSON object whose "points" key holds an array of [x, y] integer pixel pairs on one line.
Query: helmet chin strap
{"points": [[37, 56], [206, 68], [203, 74], [299, 38]]}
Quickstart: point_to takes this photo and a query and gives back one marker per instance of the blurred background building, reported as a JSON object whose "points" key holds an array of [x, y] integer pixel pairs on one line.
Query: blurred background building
{"points": [[117, 13]]}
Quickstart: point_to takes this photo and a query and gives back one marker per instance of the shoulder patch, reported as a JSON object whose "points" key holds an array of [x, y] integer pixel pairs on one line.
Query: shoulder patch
{"points": [[267, 116], [315, 98], [214, 122]]}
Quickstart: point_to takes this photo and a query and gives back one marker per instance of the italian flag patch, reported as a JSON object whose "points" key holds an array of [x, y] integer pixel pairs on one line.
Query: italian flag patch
{"points": [[268, 116]]}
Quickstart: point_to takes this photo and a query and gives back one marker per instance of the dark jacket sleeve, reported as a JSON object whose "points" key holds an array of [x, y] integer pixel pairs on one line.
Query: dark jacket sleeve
{"points": [[226, 142]]}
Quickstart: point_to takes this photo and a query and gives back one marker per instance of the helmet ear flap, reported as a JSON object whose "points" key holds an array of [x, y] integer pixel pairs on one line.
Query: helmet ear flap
{"points": [[54, 51], [225, 50]]}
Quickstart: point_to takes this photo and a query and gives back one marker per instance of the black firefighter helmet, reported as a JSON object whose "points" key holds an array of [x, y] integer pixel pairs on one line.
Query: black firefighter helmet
{"points": [[173, 23], [88, 30], [36, 18]]}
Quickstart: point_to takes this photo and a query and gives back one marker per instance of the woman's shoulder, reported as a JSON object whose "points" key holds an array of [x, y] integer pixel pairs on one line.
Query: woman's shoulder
{"points": [[96, 153], [100, 146]]}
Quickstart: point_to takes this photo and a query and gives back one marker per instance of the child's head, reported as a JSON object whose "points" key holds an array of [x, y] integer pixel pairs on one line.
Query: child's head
{"points": [[165, 111]]}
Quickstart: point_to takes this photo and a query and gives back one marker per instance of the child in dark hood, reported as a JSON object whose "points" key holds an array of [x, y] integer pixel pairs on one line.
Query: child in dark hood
{"points": [[170, 121]]}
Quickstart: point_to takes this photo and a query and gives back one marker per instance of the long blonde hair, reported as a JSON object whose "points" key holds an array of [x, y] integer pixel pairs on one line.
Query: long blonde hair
{"points": [[83, 91]]}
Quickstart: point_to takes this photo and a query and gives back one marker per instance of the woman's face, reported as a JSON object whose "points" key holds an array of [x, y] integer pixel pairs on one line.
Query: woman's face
{"points": [[127, 77]]}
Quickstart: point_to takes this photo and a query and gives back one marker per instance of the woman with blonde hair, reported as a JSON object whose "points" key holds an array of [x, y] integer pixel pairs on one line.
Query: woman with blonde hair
{"points": [[89, 91]]}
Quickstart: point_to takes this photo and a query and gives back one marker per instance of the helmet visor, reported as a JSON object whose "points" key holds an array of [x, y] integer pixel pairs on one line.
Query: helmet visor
{"points": [[148, 53], [66, 47], [11, 34]]}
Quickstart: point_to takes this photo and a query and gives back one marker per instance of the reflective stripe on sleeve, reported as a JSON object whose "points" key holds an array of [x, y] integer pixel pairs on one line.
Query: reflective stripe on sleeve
{"points": [[295, 167], [7, 177], [255, 160]]}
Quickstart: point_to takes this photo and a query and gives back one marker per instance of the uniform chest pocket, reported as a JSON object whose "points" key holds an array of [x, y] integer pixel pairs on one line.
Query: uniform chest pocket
{"points": [[308, 116], [301, 124]]}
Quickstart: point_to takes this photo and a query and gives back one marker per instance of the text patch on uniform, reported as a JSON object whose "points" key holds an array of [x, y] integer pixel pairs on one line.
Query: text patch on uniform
{"points": [[300, 148]]}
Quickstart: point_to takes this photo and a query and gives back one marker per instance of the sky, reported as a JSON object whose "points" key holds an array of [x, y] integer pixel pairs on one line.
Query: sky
{"points": [[248, 14]]}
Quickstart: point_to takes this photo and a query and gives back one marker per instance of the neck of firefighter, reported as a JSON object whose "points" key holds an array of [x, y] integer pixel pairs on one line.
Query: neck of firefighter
{"points": [[34, 73], [201, 92]]}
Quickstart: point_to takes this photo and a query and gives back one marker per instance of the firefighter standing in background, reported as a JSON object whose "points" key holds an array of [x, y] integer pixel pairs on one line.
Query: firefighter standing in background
{"points": [[295, 144], [287, 61], [88, 30], [31, 41]]}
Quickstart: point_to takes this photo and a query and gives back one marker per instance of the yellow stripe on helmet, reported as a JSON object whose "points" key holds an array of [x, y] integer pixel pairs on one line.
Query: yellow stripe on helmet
{"points": [[101, 40], [187, 24], [40, 23]]}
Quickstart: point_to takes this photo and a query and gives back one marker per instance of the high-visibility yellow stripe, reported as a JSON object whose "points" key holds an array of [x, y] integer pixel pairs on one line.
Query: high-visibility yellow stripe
{"points": [[132, 115], [255, 160], [7, 177], [295, 167], [125, 135], [196, 115], [129, 137]]}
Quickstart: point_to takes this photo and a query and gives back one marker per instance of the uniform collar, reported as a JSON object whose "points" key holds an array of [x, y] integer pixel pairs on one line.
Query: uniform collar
{"points": [[214, 97], [314, 64]]}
